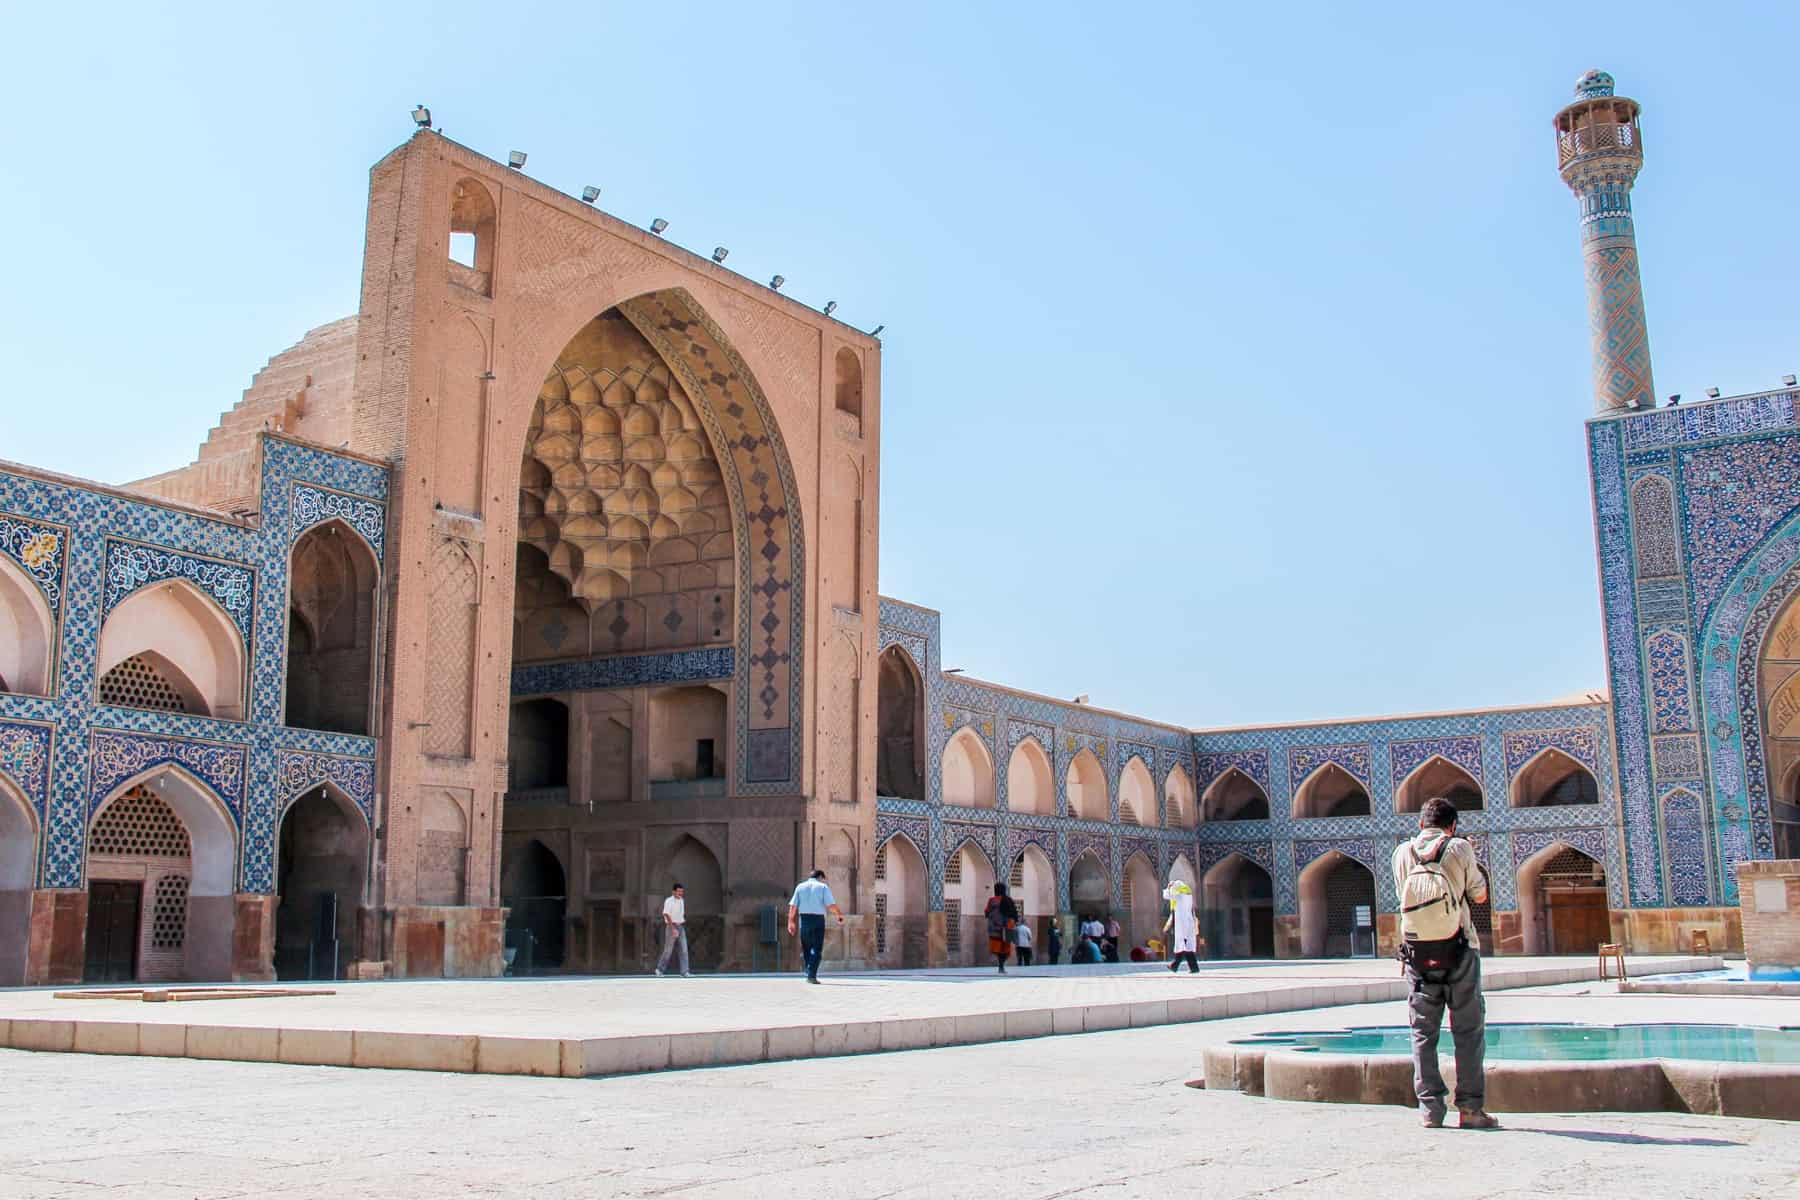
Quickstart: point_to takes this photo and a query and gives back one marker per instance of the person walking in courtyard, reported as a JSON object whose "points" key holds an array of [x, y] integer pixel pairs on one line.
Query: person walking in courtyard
{"points": [[674, 915], [1183, 927], [1022, 940], [1113, 934], [1438, 880], [1055, 942], [806, 916], [1002, 919]]}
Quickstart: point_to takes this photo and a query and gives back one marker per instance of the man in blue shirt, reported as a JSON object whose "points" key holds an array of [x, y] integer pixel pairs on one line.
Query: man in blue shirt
{"points": [[806, 915]]}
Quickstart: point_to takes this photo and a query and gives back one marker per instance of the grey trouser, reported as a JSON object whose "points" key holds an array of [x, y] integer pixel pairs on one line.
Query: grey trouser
{"points": [[1461, 994], [673, 936]]}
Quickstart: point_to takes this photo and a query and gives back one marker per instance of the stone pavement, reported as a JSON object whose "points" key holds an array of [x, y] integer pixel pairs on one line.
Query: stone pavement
{"points": [[1098, 1115], [602, 1026]]}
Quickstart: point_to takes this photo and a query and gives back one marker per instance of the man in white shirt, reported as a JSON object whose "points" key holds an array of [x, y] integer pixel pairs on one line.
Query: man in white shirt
{"points": [[674, 915], [806, 917], [1022, 941]]}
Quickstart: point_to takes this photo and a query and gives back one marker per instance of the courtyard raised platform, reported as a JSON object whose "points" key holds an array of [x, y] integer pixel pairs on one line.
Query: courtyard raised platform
{"points": [[577, 1027]]}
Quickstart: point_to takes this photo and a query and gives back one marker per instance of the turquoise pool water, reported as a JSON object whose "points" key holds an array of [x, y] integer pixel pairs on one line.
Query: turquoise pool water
{"points": [[1571, 1042], [1737, 973]]}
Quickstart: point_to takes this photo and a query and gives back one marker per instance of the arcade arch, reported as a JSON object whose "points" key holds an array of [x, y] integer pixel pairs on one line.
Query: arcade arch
{"points": [[18, 873], [1178, 800], [1090, 887], [1563, 906], [1143, 903], [849, 383], [1030, 785], [1331, 791], [968, 883], [901, 885], [1085, 784], [27, 633], [162, 869], [1238, 909], [1778, 693], [695, 865], [174, 632], [968, 772], [1438, 776], [1332, 888], [1234, 796], [321, 866], [1034, 886], [1553, 778], [900, 726], [1137, 794], [332, 579], [537, 745], [534, 889]]}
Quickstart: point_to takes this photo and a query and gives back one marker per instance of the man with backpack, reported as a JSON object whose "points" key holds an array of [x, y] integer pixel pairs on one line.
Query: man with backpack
{"points": [[1437, 879]]}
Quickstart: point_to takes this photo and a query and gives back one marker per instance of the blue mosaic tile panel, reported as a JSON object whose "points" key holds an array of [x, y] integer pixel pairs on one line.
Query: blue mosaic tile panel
{"points": [[118, 757], [1580, 744], [132, 565], [1409, 755], [1624, 668], [1684, 848], [41, 550], [626, 671], [1732, 496], [1705, 422], [1671, 693], [310, 506], [1353, 757], [25, 760]]}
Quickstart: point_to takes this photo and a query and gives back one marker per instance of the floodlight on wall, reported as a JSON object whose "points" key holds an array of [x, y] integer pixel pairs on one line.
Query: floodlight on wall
{"points": [[589, 194], [777, 282], [719, 253], [422, 117], [658, 225], [953, 670], [830, 307], [1787, 381], [876, 332], [1082, 699], [1712, 393], [1675, 399], [515, 159]]}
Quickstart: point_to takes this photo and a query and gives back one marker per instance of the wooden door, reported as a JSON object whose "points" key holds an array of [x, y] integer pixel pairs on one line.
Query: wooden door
{"points": [[1579, 921], [114, 911]]}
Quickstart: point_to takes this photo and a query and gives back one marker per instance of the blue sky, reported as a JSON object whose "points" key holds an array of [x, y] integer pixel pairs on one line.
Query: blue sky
{"points": [[1236, 358]]}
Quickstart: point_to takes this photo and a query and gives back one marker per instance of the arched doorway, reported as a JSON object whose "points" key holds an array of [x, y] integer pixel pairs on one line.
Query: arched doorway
{"points": [[900, 726], [27, 633], [1085, 784], [900, 898], [1553, 778], [1438, 776], [321, 865], [162, 873], [1090, 888], [968, 772], [1335, 890], [687, 741], [695, 866], [1143, 903], [1778, 692], [534, 890], [1563, 907], [1030, 786], [1137, 794], [331, 630], [1033, 883], [968, 883], [1331, 791], [18, 872], [1238, 909], [1234, 796], [537, 746]]}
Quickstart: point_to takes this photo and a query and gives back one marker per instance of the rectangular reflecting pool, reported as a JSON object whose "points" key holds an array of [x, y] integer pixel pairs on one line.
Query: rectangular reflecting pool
{"points": [[1540, 1042]]}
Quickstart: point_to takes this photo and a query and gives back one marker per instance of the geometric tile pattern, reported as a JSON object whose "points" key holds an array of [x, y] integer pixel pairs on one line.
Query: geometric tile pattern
{"points": [[40, 548], [1408, 756], [1671, 695], [25, 760], [1353, 759], [1581, 743], [1684, 847], [112, 543]]}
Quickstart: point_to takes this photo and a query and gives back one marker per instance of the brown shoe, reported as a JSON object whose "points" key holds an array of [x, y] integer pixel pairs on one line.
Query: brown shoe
{"points": [[1474, 1118]]}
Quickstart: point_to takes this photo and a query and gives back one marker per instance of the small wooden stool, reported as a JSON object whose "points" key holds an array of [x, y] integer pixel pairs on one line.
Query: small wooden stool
{"points": [[1699, 942], [1614, 951]]}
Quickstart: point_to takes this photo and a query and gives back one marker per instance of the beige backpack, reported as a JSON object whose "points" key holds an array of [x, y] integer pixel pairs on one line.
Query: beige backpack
{"points": [[1430, 908]]}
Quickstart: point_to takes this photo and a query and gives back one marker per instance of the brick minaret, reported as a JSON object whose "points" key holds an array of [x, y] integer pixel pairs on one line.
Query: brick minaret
{"points": [[1599, 149]]}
